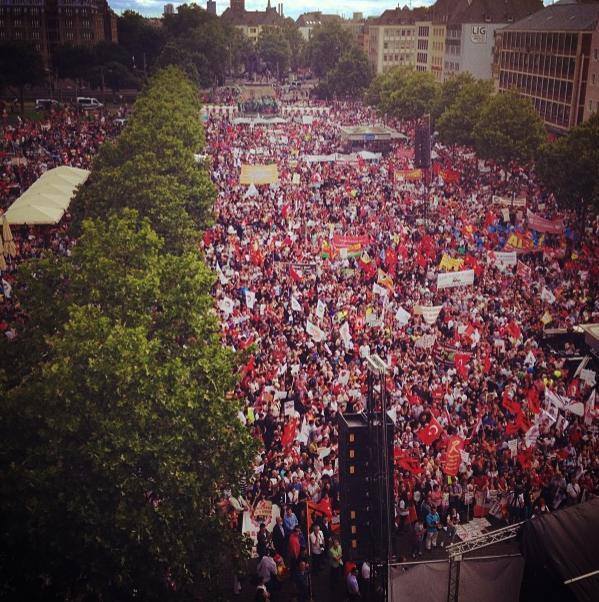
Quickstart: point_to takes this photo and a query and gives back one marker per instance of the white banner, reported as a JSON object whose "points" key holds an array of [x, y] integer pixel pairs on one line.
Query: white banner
{"points": [[320, 309], [451, 279], [505, 258], [429, 314], [316, 333], [402, 316], [251, 524]]}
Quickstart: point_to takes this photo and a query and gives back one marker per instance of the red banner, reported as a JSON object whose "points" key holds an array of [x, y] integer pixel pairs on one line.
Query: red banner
{"points": [[549, 226], [450, 176], [344, 242], [453, 457]]}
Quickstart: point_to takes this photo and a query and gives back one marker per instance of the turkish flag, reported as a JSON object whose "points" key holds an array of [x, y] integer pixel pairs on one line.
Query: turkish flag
{"points": [[289, 432], [430, 432], [406, 461]]}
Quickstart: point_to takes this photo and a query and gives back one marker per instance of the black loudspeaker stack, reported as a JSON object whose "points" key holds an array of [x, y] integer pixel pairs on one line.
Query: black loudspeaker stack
{"points": [[366, 500], [422, 145]]}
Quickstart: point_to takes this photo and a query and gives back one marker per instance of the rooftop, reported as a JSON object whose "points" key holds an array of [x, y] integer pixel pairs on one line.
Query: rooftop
{"points": [[566, 15]]}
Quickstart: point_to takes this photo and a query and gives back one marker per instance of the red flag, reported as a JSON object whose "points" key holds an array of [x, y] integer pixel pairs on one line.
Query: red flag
{"points": [[514, 330], [289, 432], [510, 404], [534, 403], [453, 457], [285, 210], [406, 461], [295, 275], [487, 363], [429, 433], [460, 361]]}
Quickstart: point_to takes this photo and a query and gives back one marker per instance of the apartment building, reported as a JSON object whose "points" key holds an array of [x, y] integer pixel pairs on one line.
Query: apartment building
{"points": [[49, 23], [251, 22], [393, 39], [307, 22], [552, 57]]}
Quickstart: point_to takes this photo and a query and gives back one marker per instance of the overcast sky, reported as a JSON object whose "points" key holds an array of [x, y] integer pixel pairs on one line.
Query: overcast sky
{"points": [[291, 8]]}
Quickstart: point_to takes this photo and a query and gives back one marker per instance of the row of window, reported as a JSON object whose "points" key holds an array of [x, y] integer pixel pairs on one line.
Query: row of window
{"points": [[541, 87], [552, 112], [396, 33], [423, 32], [554, 66], [398, 58], [554, 43], [421, 57], [422, 44], [452, 66], [399, 45]]}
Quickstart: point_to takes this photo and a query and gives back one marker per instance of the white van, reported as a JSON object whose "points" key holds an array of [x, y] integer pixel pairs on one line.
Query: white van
{"points": [[84, 102]]}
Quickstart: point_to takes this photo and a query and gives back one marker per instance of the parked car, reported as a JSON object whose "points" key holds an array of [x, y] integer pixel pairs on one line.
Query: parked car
{"points": [[45, 104], [87, 103]]}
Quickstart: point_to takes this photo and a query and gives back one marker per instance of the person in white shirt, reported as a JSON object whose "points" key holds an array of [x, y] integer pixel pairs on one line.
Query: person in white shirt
{"points": [[316, 548], [267, 568]]}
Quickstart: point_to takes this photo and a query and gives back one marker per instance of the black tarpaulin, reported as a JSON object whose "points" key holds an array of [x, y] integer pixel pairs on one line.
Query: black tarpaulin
{"points": [[564, 545]]}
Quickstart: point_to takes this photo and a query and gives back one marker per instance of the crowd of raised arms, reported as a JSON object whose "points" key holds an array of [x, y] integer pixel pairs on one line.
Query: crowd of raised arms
{"points": [[336, 261]]}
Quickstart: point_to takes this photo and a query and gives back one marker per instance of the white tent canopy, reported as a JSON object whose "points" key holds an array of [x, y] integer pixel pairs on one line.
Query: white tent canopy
{"points": [[47, 199]]}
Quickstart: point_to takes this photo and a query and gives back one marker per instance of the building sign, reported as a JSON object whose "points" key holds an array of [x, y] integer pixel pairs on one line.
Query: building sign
{"points": [[478, 34]]}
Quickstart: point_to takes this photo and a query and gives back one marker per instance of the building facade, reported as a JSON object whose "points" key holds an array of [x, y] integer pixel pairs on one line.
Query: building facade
{"points": [[393, 39], [47, 24], [251, 22], [307, 22], [552, 57]]}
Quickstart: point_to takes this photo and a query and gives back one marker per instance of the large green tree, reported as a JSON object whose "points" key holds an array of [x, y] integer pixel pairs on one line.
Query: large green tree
{"points": [[152, 167], [404, 93], [569, 167], [274, 49], [142, 41], [204, 51], [349, 78], [326, 46], [118, 431], [509, 129], [449, 90], [456, 124], [116, 447], [296, 43], [20, 65]]}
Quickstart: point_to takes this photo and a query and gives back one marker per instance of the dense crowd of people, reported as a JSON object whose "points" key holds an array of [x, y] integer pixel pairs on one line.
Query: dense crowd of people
{"points": [[28, 148], [339, 260]]}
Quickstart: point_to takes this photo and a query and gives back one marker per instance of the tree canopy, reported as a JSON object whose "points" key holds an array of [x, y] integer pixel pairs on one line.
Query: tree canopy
{"points": [[20, 65], [326, 46], [456, 124], [274, 49], [349, 78], [119, 432], [404, 93], [569, 167], [508, 129]]}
